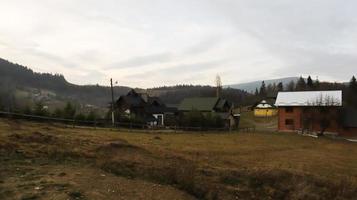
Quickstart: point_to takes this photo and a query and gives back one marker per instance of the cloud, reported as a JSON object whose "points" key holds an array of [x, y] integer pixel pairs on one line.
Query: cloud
{"points": [[203, 46], [142, 43], [198, 71], [57, 60], [91, 77], [141, 61]]}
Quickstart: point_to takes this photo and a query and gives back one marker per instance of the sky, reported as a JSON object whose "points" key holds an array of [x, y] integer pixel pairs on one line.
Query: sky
{"points": [[150, 43]]}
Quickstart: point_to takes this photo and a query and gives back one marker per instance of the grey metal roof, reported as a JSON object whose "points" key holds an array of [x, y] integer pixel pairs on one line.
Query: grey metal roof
{"points": [[310, 98]]}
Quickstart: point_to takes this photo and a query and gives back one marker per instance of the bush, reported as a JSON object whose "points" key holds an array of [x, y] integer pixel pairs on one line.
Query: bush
{"points": [[92, 116], [80, 117], [198, 119]]}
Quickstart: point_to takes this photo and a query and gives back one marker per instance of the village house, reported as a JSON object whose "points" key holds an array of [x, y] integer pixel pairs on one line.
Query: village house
{"points": [[141, 106], [205, 105], [315, 112], [215, 105], [264, 109]]}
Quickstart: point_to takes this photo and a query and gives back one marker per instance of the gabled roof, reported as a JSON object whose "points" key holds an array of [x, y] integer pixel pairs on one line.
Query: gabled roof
{"points": [[199, 104], [221, 103], [263, 105], [310, 98], [132, 99], [155, 101]]}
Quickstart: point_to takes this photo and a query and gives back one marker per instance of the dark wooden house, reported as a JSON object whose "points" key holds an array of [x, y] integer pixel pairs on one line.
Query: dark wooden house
{"points": [[142, 107]]}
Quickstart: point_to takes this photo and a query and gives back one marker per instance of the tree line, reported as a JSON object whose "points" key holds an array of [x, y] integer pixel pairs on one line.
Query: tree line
{"points": [[308, 84], [69, 111]]}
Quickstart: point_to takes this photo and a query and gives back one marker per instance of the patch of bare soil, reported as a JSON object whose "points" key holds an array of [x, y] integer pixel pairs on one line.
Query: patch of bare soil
{"points": [[61, 182], [35, 137], [118, 146]]}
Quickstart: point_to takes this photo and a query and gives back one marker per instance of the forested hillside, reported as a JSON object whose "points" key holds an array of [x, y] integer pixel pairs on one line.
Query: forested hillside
{"points": [[19, 84], [175, 94], [14, 78]]}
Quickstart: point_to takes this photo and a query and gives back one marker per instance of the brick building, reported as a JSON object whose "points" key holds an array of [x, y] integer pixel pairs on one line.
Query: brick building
{"points": [[310, 111]]}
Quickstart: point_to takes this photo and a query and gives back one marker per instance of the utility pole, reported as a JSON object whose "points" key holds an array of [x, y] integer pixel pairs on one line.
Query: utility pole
{"points": [[111, 88]]}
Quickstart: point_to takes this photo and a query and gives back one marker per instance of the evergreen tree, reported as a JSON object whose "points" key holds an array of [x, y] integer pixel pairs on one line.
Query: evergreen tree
{"points": [[280, 87], [353, 84], [263, 91], [301, 84], [69, 111], [291, 86], [310, 83], [256, 92], [317, 84], [274, 87], [352, 92], [270, 88]]}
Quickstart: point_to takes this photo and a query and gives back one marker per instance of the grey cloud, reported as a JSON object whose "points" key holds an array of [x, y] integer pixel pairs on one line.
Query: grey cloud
{"points": [[51, 57], [141, 61], [180, 69], [298, 37], [90, 77], [306, 61], [307, 37], [203, 46]]}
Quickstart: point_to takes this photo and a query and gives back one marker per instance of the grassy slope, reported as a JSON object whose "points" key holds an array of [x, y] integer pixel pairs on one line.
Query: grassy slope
{"points": [[94, 163], [260, 123]]}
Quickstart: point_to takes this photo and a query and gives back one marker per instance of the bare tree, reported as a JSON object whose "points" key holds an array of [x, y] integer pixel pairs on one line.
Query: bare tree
{"points": [[218, 86], [319, 111]]}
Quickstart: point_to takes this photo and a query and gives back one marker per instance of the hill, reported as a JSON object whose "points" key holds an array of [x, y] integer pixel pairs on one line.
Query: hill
{"points": [[175, 94], [20, 86], [251, 86], [20, 79]]}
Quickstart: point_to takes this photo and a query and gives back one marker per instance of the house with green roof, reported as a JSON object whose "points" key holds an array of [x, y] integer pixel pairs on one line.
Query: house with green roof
{"points": [[205, 104], [214, 105]]}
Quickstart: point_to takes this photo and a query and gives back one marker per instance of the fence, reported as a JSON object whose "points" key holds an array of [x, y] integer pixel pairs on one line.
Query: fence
{"points": [[102, 123]]}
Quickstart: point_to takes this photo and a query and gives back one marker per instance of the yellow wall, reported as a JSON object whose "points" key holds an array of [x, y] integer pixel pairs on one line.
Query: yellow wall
{"points": [[269, 112]]}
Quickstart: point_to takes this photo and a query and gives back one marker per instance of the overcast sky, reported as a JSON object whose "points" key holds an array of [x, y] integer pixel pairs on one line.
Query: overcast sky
{"points": [[165, 42]]}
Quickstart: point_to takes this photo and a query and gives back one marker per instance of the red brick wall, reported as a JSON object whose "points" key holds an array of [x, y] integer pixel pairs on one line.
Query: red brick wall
{"points": [[297, 115], [283, 116]]}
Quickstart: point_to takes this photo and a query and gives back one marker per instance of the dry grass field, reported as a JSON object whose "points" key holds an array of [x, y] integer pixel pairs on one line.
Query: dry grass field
{"points": [[43, 161]]}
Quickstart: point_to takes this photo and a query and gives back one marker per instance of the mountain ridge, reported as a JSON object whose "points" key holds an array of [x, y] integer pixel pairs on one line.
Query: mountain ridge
{"points": [[15, 78], [251, 86]]}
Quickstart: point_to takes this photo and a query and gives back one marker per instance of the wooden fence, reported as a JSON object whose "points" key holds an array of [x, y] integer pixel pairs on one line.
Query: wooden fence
{"points": [[102, 123]]}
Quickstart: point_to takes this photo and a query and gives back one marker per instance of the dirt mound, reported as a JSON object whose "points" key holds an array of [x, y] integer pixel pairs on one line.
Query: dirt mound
{"points": [[119, 146], [35, 137]]}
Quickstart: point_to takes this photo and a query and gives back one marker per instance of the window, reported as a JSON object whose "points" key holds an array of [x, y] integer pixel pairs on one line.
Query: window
{"points": [[289, 122], [289, 109]]}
